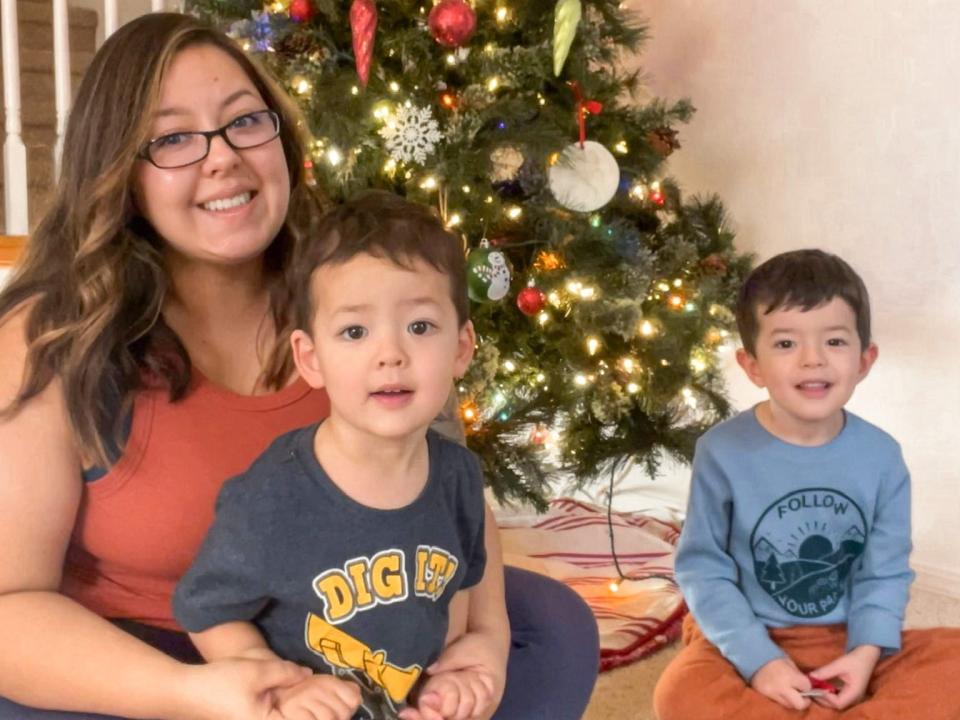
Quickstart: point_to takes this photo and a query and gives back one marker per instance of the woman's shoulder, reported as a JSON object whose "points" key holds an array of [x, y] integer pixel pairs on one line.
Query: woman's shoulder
{"points": [[13, 359]]}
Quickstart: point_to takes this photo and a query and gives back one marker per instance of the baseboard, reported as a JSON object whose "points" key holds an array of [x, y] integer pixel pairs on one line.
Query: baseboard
{"points": [[937, 580]]}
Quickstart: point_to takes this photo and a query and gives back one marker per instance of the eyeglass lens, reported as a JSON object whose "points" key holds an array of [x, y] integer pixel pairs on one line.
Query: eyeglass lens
{"points": [[246, 131]]}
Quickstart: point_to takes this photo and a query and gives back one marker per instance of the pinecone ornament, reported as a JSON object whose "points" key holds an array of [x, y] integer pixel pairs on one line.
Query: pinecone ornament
{"points": [[531, 177], [294, 44], [714, 264], [663, 140]]}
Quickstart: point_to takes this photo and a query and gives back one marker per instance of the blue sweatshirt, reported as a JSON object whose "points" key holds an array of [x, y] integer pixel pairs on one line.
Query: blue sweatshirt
{"points": [[779, 535]]}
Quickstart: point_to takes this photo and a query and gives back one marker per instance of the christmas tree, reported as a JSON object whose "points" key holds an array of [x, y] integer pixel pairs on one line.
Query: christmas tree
{"points": [[601, 296]]}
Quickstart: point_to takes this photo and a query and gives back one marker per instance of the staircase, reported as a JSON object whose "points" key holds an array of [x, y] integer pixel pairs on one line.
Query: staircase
{"points": [[38, 111]]}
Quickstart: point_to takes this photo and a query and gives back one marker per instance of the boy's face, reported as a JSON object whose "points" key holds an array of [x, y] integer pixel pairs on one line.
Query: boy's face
{"points": [[385, 343], [809, 362]]}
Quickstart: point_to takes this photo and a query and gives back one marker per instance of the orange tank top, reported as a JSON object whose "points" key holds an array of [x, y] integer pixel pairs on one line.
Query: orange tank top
{"points": [[139, 526]]}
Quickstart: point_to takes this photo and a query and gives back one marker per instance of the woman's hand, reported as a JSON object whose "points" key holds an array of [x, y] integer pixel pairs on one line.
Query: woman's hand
{"points": [[236, 688]]}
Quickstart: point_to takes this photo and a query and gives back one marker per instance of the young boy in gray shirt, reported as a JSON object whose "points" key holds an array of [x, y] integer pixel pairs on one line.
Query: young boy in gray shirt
{"points": [[350, 546]]}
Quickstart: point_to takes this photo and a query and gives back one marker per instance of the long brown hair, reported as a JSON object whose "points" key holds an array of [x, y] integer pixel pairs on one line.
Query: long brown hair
{"points": [[92, 276]]}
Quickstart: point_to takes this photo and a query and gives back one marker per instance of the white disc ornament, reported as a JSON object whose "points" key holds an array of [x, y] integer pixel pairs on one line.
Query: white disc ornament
{"points": [[584, 178]]}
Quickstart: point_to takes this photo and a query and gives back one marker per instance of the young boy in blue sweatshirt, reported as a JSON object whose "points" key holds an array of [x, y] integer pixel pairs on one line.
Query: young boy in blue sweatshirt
{"points": [[794, 556]]}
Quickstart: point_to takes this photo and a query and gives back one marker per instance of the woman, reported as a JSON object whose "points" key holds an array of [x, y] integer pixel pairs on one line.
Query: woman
{"points": [[145, 337]]}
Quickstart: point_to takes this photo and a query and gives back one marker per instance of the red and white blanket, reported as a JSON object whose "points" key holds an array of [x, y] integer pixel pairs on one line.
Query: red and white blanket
{"points": [[571, 543]]}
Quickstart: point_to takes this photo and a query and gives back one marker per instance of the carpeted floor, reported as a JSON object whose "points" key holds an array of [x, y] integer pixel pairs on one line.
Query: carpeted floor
{"points": [[626, 692]]}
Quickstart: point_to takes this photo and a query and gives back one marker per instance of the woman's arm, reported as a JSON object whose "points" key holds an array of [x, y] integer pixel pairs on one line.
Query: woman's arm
{"points": [[56, 654]]}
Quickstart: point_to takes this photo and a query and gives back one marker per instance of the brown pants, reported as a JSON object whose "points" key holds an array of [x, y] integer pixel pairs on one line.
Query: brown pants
{"points": [[921, 682]]}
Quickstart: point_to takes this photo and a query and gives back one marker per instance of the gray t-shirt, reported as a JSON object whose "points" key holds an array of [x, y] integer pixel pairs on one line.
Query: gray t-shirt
{"points": [[331, 583]]}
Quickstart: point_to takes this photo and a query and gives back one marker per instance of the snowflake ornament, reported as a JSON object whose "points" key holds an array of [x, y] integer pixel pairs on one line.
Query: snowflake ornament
{"points": [[412, 134]]}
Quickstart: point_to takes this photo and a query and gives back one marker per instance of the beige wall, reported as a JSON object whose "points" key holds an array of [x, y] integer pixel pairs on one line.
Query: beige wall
{"points": [[835, 125]]}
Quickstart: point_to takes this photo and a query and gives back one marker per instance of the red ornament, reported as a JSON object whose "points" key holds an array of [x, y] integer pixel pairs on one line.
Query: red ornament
{"points": [[301, 11], [531, 300], [452, 22], [363, 24]]}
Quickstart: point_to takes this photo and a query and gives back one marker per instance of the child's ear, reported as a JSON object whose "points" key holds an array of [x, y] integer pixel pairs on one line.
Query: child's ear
{"points": [[466, 341], [305, 358], [751, 367], [867, 358]]}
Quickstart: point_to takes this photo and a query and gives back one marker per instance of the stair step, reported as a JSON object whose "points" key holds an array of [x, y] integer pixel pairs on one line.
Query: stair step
{"points": [[34, 60], [41, 11], [40, 183], [38, 108]]}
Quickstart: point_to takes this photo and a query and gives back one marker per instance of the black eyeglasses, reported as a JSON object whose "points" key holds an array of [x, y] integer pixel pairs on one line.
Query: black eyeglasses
{"points": [[178, 150]]}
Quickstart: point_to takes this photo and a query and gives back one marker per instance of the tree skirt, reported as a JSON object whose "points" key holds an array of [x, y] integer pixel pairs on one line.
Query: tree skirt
{"points": [[571, 543]]}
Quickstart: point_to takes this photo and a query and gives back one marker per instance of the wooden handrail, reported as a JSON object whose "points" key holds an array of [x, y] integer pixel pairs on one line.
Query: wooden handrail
{"points": [[10, 248]]}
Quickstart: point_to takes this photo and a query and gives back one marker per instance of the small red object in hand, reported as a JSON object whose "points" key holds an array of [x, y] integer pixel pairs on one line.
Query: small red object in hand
{"points": [[818, 684]]}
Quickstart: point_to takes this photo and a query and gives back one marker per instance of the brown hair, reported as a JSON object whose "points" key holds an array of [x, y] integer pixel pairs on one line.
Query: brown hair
{"points": [[384, 225], [804, 279], [93, 276]]}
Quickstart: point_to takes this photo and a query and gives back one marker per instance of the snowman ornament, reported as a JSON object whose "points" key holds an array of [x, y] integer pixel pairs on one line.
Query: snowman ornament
{"points": [[488, 274]]}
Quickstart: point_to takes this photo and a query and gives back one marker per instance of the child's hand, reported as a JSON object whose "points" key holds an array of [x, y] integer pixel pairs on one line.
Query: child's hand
{"points": [[782, 682], [478, 652], [318, 697], [454, 695], [855, 669]]}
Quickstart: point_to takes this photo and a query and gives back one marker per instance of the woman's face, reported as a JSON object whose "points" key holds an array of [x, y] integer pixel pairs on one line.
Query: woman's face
{"points": [[227, 208]]}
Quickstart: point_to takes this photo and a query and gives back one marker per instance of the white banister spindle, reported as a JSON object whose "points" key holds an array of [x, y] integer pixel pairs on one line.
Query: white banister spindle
{"points": [[61, 71], [14, 152], [111, 19]]}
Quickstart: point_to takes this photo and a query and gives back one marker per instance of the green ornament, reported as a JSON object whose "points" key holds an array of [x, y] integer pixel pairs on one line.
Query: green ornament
{"points": [[488, 274], [566, 16]]}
